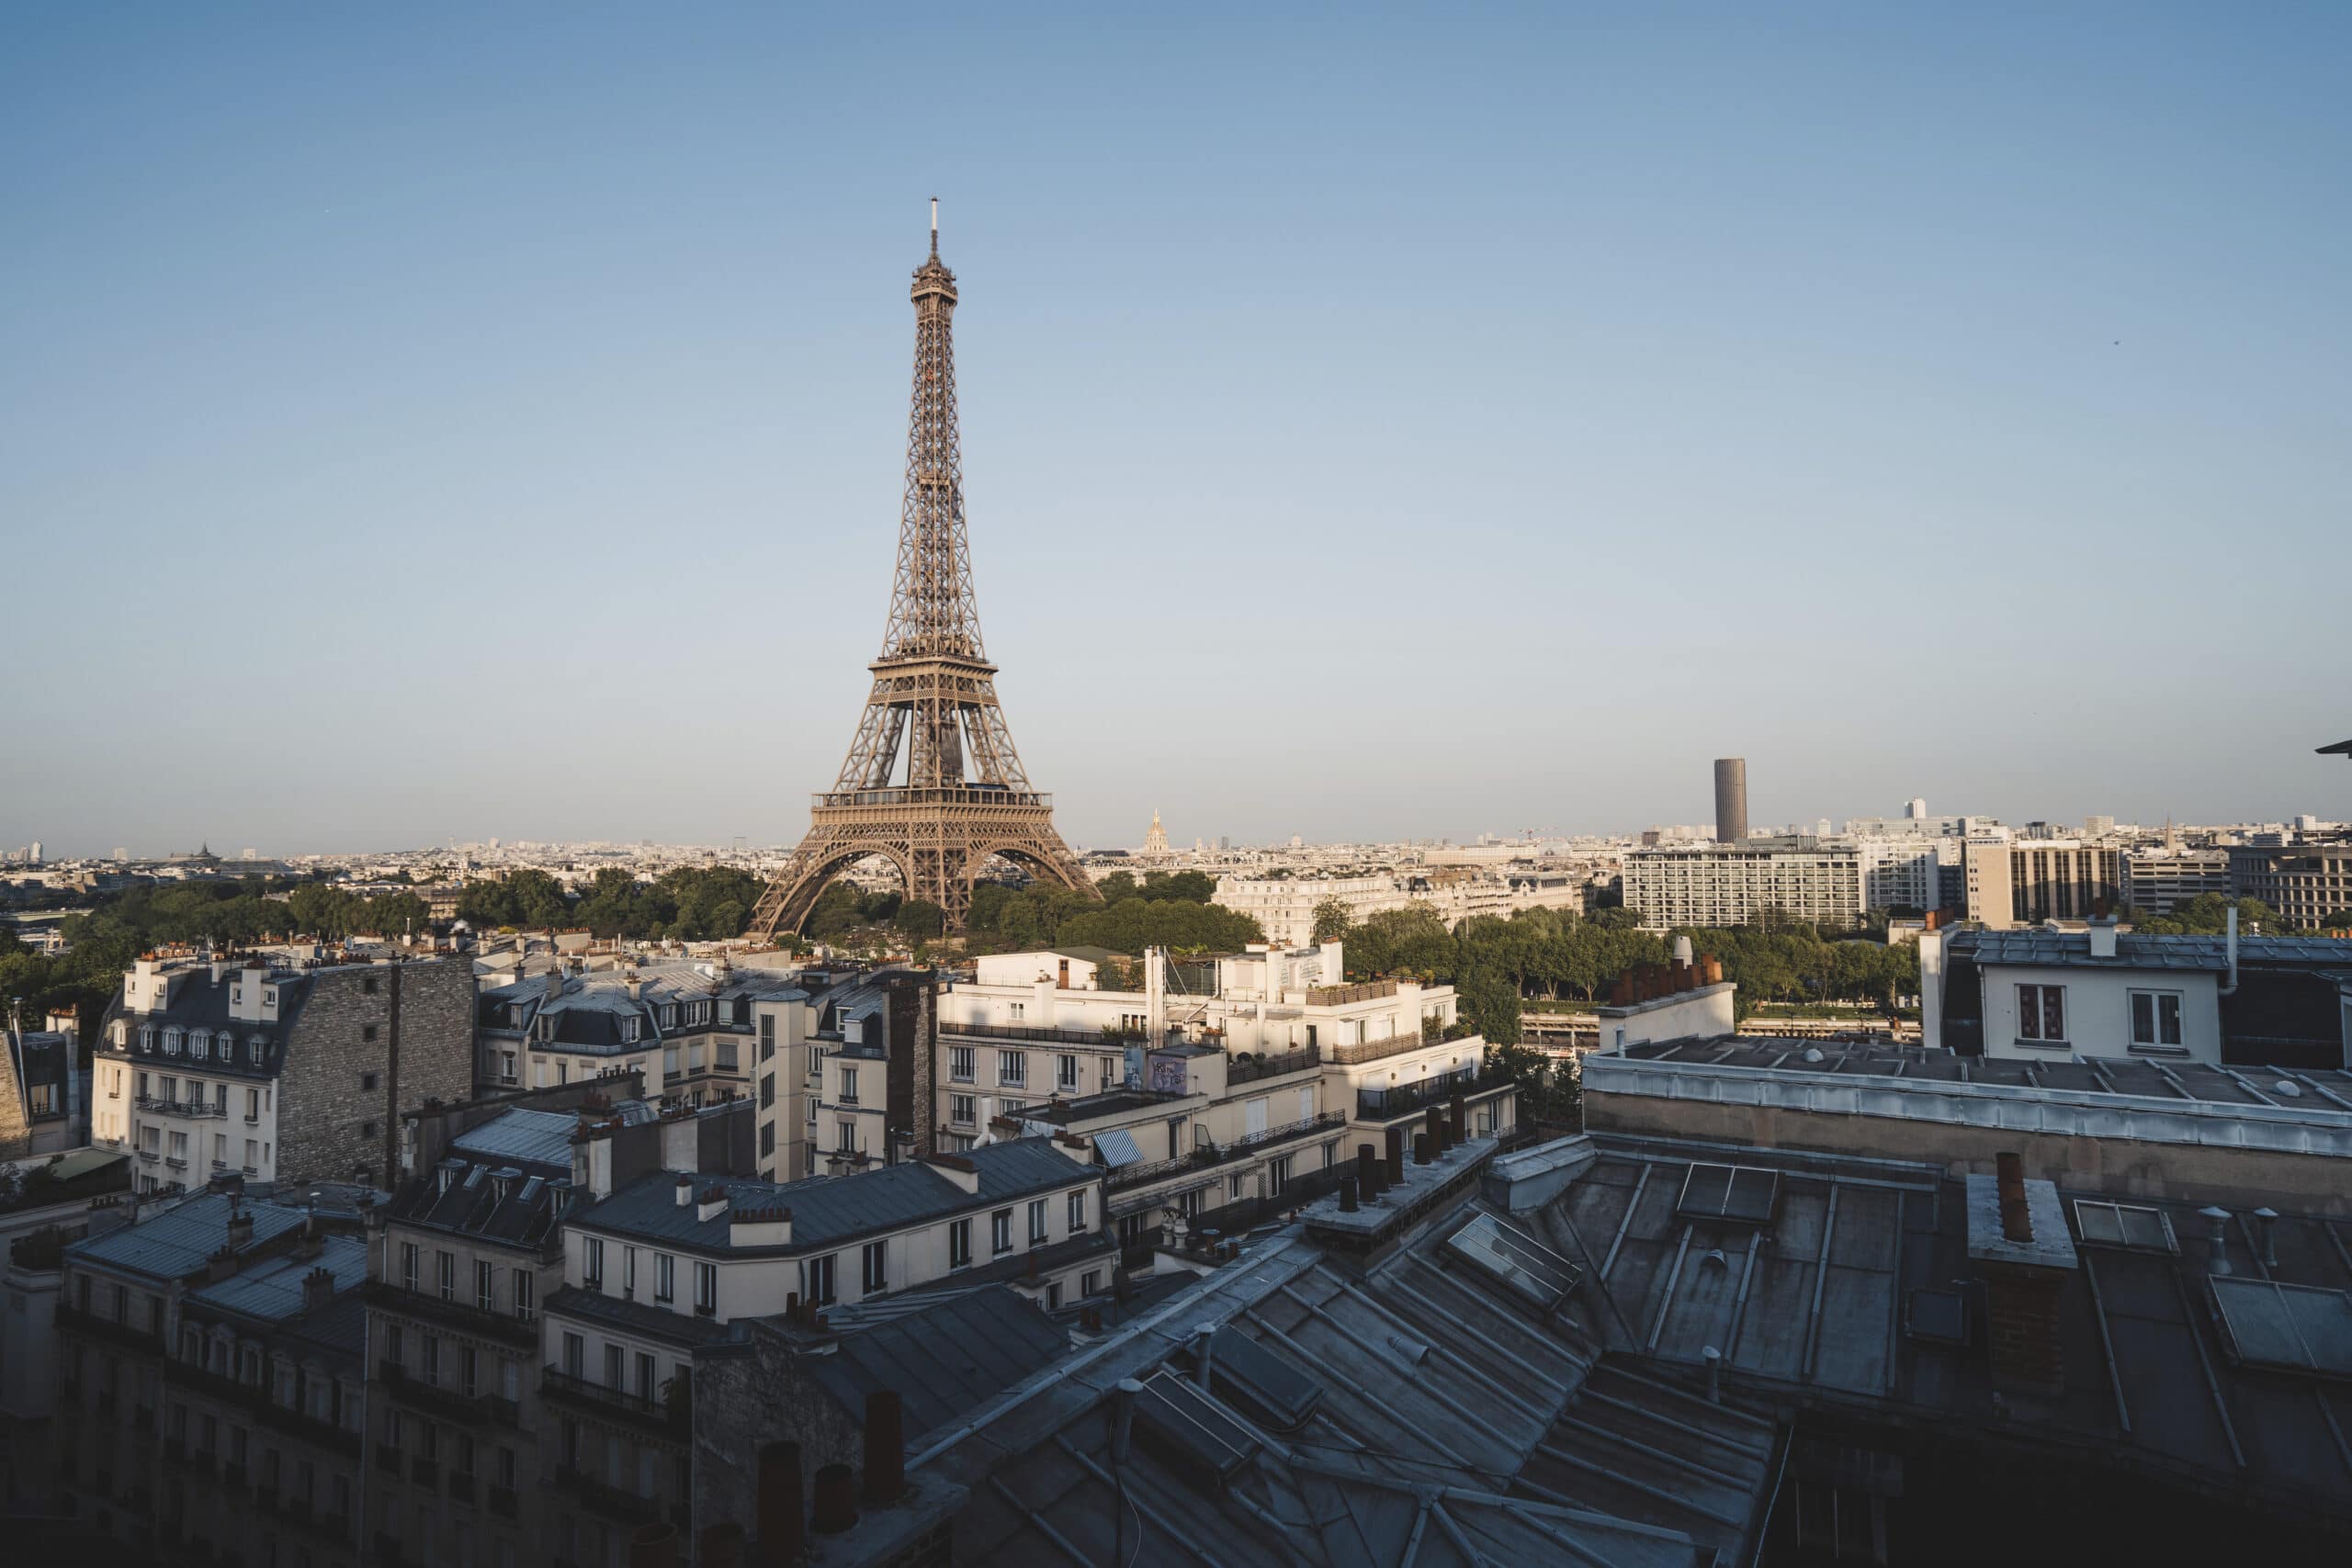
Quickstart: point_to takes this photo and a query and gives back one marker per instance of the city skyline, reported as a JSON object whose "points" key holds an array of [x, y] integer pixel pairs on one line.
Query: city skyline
{"points": [[516, 446]]}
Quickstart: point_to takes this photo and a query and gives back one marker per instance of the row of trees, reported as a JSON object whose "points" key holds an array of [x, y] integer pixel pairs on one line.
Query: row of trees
{"points": [[1164, 910], [691, 903], [1495, 964]]}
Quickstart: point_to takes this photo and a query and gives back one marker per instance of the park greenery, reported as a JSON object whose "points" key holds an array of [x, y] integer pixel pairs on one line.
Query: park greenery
{"points": [[689, 904], [1170, 909]]}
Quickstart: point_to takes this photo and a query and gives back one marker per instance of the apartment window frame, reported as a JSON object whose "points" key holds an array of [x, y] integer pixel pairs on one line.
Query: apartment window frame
{"points": [[592, 1262], [2165, 1015], [1001, 1232], [874, 1267], [665, 1276], [1078, 1211], [485, 1285], [706, 1289], [963, 1064], [2041, 1015], [1039, 1230], [959, 1244]]}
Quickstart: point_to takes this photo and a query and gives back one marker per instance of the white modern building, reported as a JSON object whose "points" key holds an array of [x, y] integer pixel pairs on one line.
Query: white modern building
{"points": [[1807, 879]]}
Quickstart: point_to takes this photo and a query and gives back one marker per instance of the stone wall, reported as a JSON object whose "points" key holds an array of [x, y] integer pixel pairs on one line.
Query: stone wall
{"points": [[410, 1025]]}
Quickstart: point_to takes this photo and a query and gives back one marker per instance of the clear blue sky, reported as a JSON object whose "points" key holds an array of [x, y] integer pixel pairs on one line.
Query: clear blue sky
{"points": [[423, 421]]}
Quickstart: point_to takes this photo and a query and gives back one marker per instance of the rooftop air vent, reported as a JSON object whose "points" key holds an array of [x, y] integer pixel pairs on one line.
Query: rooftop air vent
{"points": [[1742, 1194], [1515, 1260]]}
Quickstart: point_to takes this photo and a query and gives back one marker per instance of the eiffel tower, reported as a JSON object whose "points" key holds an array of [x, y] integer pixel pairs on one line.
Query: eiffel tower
{"points": [[965, 797]]}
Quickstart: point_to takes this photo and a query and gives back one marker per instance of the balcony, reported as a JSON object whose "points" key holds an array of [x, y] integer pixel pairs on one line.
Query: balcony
{"points": [[672, 1416], [1356, 1052], [1241, 1070], [90, 1323], [606, 1499], [1024, 1032], [1210, 1156], [463, 1316], [1410, 1098], [155, 1106], [468, 1409]]}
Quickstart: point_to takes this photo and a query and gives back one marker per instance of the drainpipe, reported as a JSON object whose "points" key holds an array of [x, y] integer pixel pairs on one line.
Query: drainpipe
{"points": [[2231, 989]]}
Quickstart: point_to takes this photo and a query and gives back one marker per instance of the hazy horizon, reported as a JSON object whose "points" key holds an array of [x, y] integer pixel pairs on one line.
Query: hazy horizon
{"points": [[437, 423]]}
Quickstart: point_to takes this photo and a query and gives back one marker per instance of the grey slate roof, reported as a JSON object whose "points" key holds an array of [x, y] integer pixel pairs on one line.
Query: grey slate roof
{"points": [[2134, 950], [536, 1137], [175, 1242], [271, 1291], [830, 1209], [944, 1360]]}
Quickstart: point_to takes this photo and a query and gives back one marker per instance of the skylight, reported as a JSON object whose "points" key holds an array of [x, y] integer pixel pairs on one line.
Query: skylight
{"points": [[1191, 1430], [2124, 1224], [1261, 1384], [1515, 1260], [1741, 1193], [2287, 1329]]}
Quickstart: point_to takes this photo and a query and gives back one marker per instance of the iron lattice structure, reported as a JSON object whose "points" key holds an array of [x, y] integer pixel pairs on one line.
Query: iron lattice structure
{"points": [[965, 797]]}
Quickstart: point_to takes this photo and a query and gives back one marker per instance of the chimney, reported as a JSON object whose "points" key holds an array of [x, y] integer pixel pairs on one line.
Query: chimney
{"points": [[240, 1229], [712, 1203], [2102, 932], [784, 1533], [2265, 1231], [1347, 1195], [2021, 1251], [654, 1546], [318, 1289], [2217, 1240], [885, 1449], [956, 1168], [722, 1546], [836, 1510], [685, 1190], [1368, 1172], [1420, 1149], [1433, 1129], [1461, 1118], [1396, 1157], [220, 1265]]}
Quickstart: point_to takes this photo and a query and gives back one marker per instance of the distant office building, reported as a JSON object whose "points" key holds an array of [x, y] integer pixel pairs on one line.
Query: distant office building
{"points": [[1730, 884], [1731, 799], [2098, 827], [2157, 881], [2026, 882], [1899, 873], [2305, 884]]}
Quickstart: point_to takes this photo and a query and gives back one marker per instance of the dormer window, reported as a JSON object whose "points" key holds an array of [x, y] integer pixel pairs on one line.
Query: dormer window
{"points": [[253, 1048], [170, 1043], [629, 1031]]}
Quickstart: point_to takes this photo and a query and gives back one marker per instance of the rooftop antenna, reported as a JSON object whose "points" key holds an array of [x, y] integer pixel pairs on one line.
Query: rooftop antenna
{"points": [[935, 227]]}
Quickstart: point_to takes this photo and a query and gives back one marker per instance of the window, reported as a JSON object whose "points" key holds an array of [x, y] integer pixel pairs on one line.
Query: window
{"points": [[523, 1295], [485, 1295], [1000, 1231], [961, 1108], [408, 1264], [1066, 1076], [665, 1276], [2156, 1020], [767, 1139], [849, 1136], [367, 1083], [959, 1244], [767, 1092], [2041, 1014], [1012, 1068], [592, 1262], [448, 1272], [707, 1289], [726, 1058], [1077, 1211], [253, 1105], [1019, 1011], [575, 1354], [1037, 1221], [368, 985], [628, 1271], [767, 1035], [468, 1371], [613, 1354], [1091, 1282], [849, 1086], [821, 1279], [959, 1064], [877, 1275], [367, 1034], [645, 1375]]}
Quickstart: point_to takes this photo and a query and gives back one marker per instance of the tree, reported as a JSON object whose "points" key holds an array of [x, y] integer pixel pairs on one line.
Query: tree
{"points": [[920, 919], [2336, 920], [1491, 1003], [1331, 918]]}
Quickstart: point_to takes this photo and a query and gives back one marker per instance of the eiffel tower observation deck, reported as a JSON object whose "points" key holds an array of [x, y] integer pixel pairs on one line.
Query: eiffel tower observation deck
{"points": [[932, 782]]}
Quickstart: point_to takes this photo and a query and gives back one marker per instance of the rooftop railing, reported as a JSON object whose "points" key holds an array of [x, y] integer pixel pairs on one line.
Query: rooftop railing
{"points": [[1209, 1156], [1387, 1104], [1250, 1070]]}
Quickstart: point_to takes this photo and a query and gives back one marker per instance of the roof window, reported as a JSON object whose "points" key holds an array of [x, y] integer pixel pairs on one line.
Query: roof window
{"points": [[1261, 1382], [1515, 1260], [2124, 1225], [1189, 1429], [2286, 1328], [1743, 1194]]}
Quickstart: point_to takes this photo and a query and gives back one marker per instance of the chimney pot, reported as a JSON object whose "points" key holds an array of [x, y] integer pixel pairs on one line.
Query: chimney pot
{"points": [[2017, 1217], [885, 1449], [1420, 1149], [1347, 1195], [2266, 1230], [1460, 1115], [1368, 1172], [784, 1534], [836, 1507], [654, 1546], [2217, 1243]]}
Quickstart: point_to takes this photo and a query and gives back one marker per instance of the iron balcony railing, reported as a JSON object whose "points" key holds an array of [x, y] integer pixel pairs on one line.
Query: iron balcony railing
{"points": [[673, 1412], [1247, 1069], [1036, 1033], [1209, 1156], [455, 1404], [970, 794], [156, 1105], [1387, 1104]]}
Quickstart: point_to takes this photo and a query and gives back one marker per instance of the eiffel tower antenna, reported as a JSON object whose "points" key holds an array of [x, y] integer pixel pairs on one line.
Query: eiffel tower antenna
{"points": [[964, 797]]}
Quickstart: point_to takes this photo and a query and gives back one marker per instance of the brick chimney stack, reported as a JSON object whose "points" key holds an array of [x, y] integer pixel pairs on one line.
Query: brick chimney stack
{"points": [[2022, 1251]]}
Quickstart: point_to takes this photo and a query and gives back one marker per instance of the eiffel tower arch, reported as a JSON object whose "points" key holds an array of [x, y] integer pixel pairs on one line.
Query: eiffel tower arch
{"points": [[963, 798]]}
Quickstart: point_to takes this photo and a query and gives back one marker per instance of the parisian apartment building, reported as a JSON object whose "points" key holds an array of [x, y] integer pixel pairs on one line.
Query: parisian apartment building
{"points": [[275, 1068]]}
